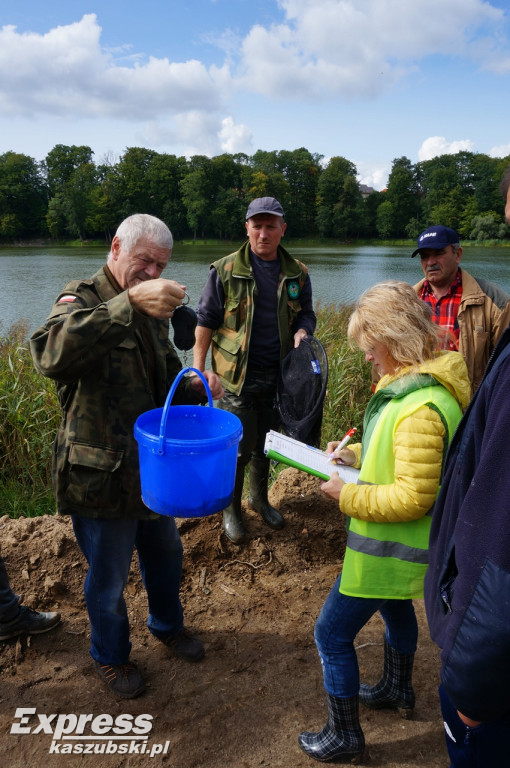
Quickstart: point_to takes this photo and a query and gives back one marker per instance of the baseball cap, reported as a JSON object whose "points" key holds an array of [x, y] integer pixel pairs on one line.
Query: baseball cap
{"points": [[436, 238], [264, 205]]}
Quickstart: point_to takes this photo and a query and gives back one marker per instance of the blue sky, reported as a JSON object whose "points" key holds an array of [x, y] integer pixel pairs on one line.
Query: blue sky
{"points": [[370, 80]]}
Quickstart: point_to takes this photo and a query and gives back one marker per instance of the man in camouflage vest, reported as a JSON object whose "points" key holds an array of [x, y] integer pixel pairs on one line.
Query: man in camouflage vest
{"points": [[106, 345], [256, 305]]}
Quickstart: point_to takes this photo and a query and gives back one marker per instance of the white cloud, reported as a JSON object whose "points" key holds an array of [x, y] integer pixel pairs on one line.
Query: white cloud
{"points": [[359, 49], [437, 145], [198, 132], [500, 151], [66, 71], [376, 177], [235, 138], [325, 49]]}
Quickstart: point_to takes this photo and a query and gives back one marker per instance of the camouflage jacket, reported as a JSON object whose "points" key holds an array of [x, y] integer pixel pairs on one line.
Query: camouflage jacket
{"points": [[110, 364], [231, 341]]}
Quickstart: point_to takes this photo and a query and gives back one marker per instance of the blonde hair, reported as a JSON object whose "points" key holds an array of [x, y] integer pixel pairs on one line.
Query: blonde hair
{"points": [[392, 314]]}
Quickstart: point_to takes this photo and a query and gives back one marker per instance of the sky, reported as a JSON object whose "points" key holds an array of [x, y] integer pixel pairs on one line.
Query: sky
{"points": [[369, 80]]}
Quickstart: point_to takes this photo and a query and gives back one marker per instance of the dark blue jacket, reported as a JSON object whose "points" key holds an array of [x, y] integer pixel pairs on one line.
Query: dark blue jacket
{"points": [[467, 586]]}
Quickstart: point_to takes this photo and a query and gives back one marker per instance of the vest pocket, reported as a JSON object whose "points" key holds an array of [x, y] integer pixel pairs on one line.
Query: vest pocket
{"points": [[94, 476]]}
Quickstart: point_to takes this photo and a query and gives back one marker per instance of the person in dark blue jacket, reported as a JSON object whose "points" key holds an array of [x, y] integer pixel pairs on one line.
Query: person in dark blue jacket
{"points": [[467, 586]]}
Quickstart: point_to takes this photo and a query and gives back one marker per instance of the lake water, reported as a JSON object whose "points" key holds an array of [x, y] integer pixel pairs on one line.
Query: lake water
{"points": [[31, 278]]}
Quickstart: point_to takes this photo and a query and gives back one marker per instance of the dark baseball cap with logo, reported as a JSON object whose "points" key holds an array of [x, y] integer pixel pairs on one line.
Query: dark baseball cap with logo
{"points": [[436, 238], [264, 205]]}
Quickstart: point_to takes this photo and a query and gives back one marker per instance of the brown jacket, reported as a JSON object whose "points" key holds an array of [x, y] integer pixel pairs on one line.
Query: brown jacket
{"points": [[484, 313]]}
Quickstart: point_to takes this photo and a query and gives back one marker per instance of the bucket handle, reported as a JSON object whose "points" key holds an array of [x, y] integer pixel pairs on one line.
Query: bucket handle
{"points": [[164, 415]]}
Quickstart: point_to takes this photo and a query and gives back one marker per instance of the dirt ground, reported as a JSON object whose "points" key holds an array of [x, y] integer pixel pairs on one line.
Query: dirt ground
{"points": [[254, 606]]}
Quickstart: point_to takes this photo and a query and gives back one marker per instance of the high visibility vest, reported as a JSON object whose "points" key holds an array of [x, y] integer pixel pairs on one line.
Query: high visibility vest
{"points": [[389, 560]]}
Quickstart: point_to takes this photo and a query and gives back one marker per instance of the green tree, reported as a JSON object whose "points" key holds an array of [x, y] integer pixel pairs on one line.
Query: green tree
{"points": [[469, 212], [329, 191], [385, 219], [488, 227], [267, 179], [104, 216], [448, 211], [61, 162], [133, 190], [301, 170], [194, 196], [56, 218], [164, 175], [23, 197], [402, 193], [348, 212]]}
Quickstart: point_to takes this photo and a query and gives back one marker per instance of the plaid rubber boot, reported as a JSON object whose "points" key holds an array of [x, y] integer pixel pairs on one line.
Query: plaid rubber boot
{"points": [[394, 690], [341, 740]]}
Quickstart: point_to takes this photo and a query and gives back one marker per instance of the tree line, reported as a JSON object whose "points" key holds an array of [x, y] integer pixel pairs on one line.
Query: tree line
{"points": [[68, 195]]}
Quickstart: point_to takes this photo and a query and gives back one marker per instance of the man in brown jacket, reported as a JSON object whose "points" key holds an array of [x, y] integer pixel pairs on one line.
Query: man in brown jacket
{"points": [[473, 312]]}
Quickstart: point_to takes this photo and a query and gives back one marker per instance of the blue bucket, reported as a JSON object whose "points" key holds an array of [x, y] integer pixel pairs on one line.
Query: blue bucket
{"points": [[188, 456]]}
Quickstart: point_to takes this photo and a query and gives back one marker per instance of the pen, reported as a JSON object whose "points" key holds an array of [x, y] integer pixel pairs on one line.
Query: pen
{"points": [[343, 442]]}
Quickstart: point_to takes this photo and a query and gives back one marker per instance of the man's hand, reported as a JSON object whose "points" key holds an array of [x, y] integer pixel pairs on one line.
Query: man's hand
{"points": [[214, 384], [298, 336], [157, 298]]}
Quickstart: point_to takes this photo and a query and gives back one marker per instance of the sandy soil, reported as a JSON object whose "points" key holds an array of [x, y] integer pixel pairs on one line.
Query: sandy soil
{"points": [[254, 606]]}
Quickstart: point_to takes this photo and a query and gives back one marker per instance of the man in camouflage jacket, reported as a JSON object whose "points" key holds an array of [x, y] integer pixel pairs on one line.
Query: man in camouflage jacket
{"points": [[106, 345]]}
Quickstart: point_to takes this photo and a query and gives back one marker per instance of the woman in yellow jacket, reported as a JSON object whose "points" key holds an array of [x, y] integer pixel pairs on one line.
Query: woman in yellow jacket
{"points": [[407, 427]]}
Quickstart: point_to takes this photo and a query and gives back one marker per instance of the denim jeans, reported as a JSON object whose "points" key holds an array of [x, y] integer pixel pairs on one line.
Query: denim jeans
{"points": [[9, 606], [108, 547], [485, 746], [340, 620]]}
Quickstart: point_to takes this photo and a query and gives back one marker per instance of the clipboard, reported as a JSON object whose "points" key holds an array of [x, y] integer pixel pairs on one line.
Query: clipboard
{"points": [[287, 450]]}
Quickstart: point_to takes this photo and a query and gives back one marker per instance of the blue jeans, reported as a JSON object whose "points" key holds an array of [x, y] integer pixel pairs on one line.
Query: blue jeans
{"points": [[340, 620], [9, 606], [485, 745], [108, 547]]}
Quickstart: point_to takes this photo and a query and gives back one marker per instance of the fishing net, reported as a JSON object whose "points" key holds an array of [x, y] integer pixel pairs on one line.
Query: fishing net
{"points": [[301, 390]]}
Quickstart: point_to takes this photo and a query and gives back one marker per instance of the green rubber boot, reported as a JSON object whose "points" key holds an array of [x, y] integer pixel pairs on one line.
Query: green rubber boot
{"points": [[232, 515], [259, 476]]}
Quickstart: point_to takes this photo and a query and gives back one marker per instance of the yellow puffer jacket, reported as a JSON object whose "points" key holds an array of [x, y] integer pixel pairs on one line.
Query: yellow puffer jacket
{"points": [[418, 448]]}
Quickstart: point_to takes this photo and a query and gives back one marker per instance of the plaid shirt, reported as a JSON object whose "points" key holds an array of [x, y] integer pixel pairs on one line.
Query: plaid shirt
{"points": [[445, 310]]}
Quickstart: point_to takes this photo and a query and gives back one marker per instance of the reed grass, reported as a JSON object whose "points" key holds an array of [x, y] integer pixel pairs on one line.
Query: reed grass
{"points": [[29, 410], [29, 415]]}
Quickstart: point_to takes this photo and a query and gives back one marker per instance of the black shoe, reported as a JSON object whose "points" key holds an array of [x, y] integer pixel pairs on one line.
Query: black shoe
{"points": [[28, 622], [125, 680], [185, 644]]}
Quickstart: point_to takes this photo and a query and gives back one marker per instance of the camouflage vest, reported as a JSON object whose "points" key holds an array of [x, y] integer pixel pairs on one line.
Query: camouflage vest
{"points": [[231, 341]]}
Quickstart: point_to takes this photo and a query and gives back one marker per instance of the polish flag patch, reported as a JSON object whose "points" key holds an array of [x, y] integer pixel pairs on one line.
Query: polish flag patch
{"points": [[67, 299]]}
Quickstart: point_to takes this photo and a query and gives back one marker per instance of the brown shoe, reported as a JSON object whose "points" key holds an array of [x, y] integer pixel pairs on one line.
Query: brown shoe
{"points": [[185, 644], [124, 680]]}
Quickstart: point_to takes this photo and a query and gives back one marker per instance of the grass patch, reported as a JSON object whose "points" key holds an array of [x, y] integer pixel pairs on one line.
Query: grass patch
{"points": [[29, 415]]}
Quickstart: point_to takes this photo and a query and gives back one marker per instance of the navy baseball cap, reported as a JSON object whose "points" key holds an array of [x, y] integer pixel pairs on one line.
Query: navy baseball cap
{"points": [[436, 238], [264, 205]]}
